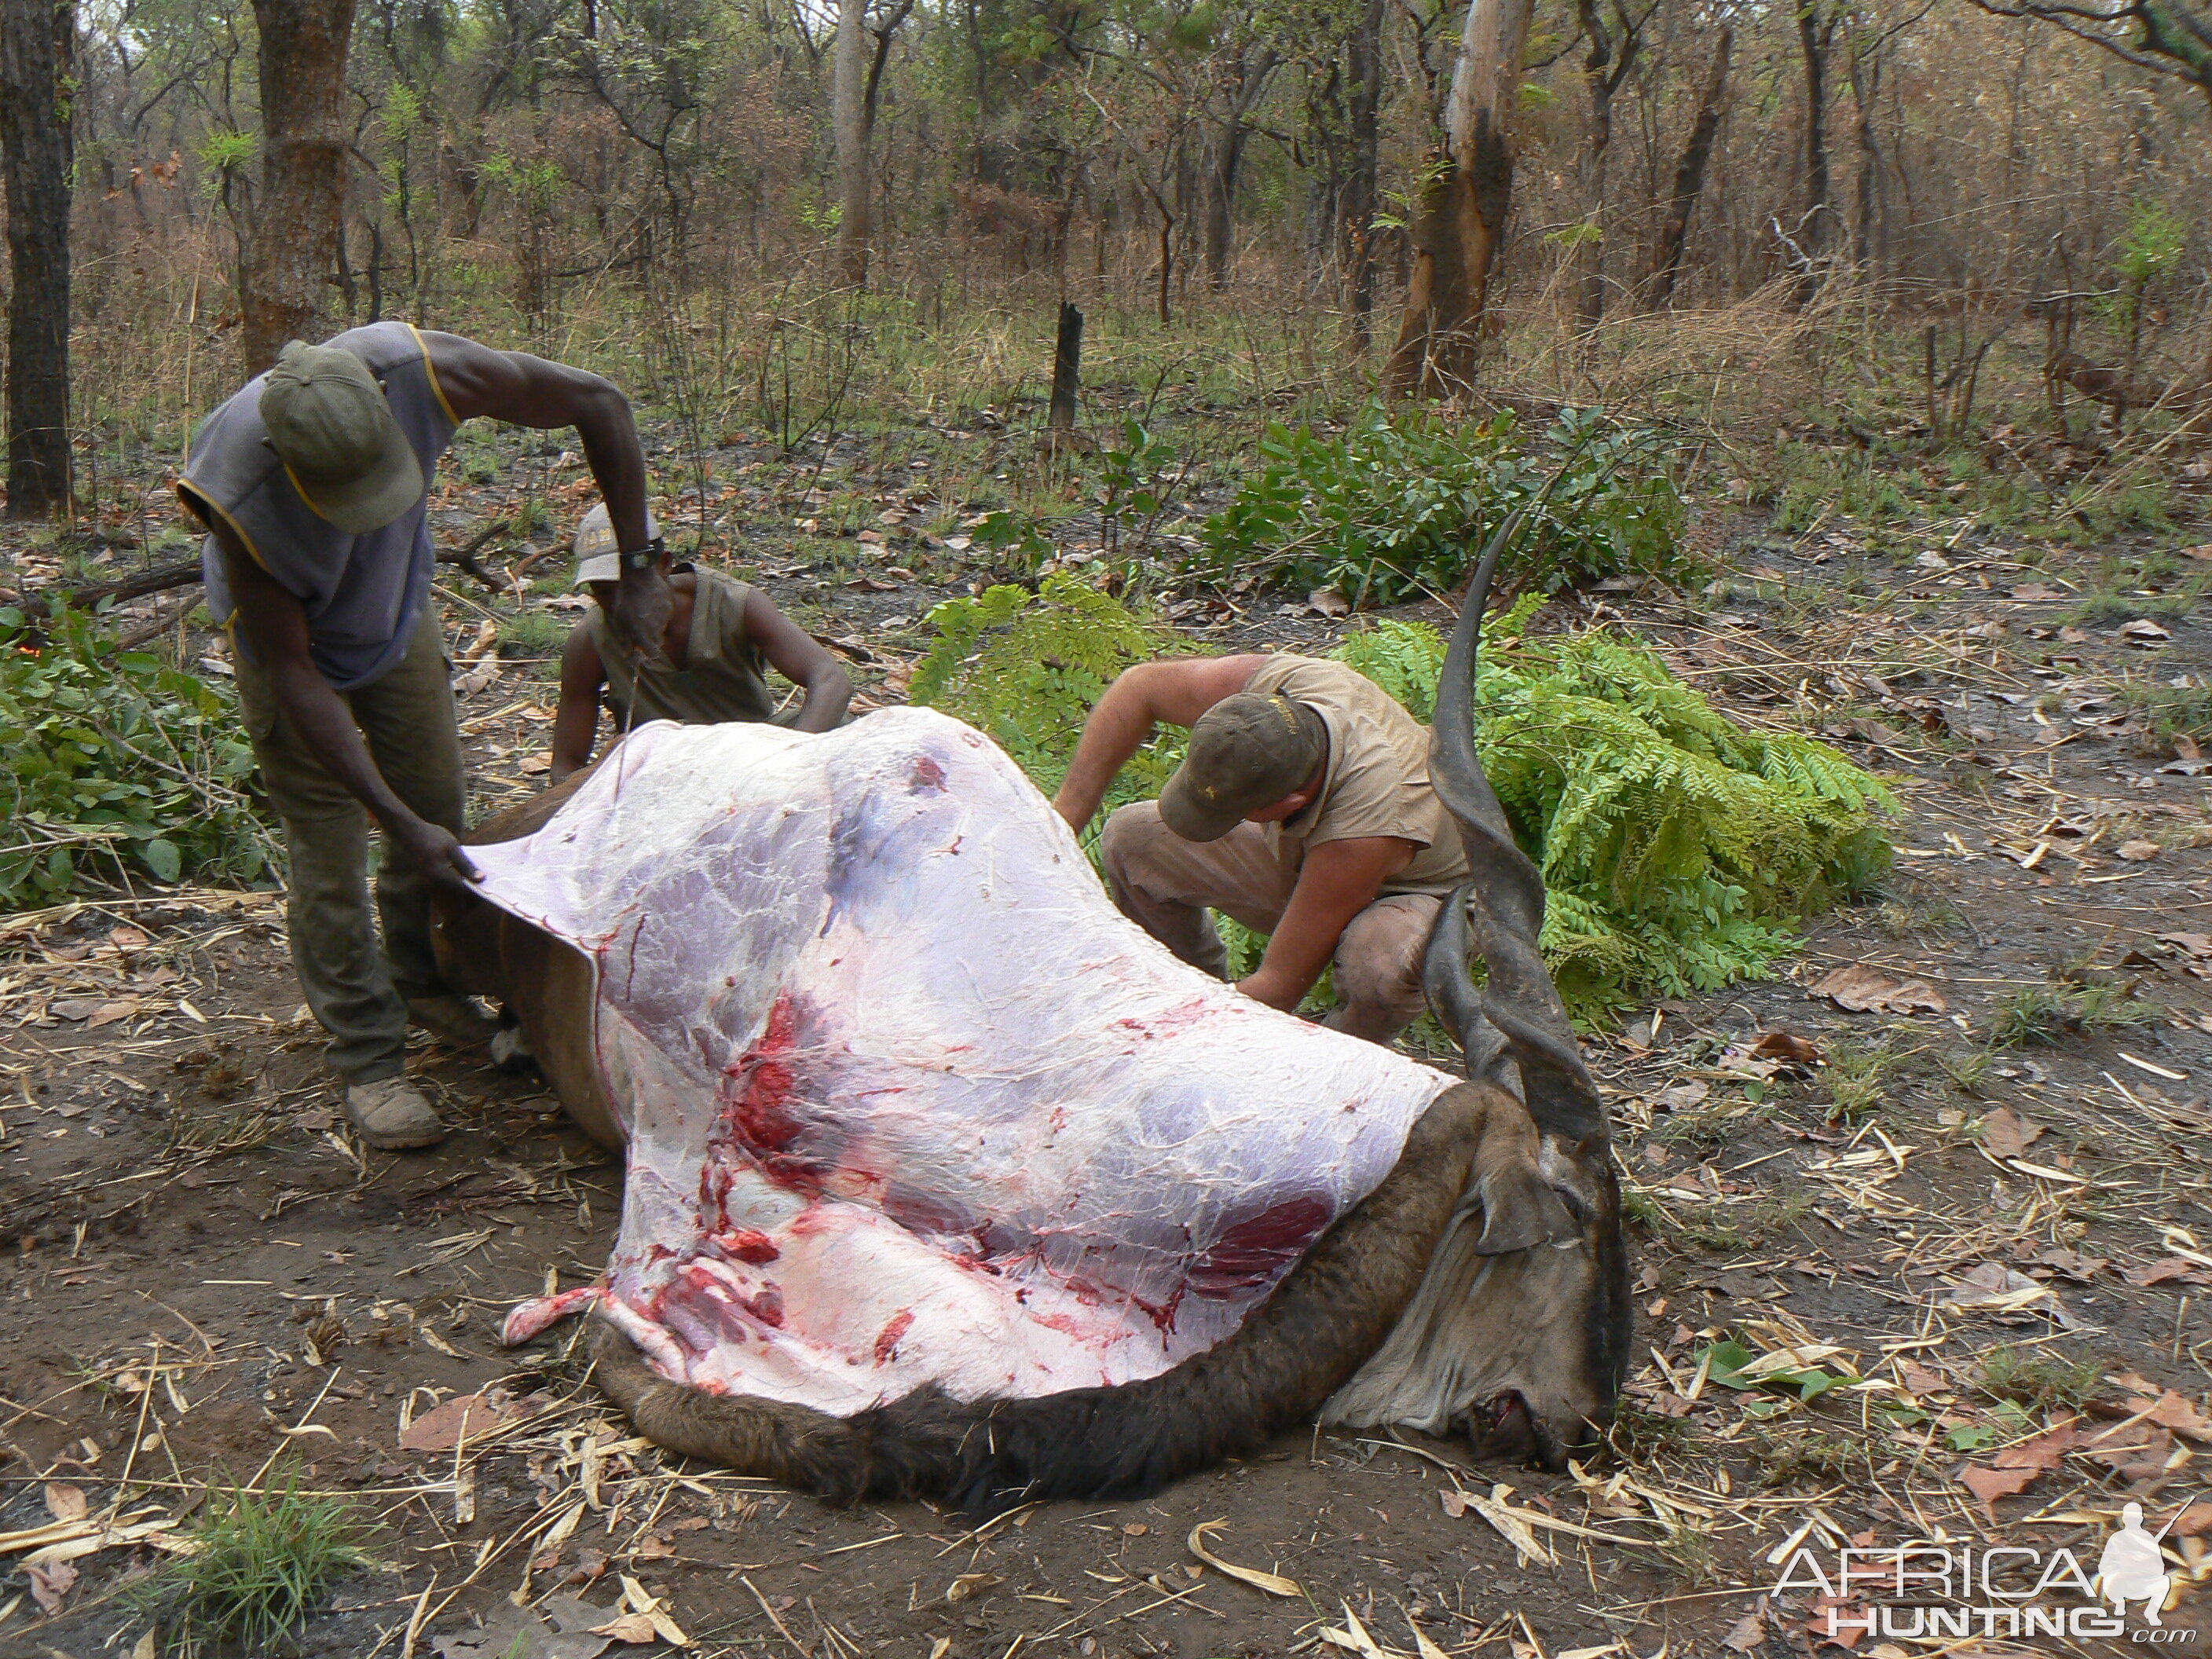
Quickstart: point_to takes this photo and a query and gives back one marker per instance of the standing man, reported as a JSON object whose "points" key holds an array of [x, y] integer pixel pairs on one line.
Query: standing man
{"points": [[1303, 809], [721, 633], [312, 482]]}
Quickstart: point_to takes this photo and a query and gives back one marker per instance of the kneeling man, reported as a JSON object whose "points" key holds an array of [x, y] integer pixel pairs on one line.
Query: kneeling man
{"points": [[721, 633], [1302, 809]]}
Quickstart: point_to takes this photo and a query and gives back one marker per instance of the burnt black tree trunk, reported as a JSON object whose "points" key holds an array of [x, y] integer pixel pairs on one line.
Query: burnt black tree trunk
{"points": [[36, 49], [1689, 173], [1366, 63]]}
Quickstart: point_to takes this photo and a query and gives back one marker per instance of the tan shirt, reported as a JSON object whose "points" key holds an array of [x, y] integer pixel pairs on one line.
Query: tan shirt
{"points": [[1377, 779], [721, 678]]}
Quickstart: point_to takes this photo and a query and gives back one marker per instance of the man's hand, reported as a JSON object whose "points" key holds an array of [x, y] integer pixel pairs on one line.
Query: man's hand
{"points": [[438, 854], [642, 603]]}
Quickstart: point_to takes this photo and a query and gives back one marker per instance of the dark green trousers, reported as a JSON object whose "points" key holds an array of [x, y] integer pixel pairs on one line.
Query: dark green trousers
{"points": [[355, 988]]}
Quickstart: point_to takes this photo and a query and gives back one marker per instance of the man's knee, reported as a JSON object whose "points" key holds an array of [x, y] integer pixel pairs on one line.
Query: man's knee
{"points": [[1379, 957]]}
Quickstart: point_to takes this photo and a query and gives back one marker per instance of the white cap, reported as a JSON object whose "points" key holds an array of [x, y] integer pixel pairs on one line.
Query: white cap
{"points": [[598, 559]]}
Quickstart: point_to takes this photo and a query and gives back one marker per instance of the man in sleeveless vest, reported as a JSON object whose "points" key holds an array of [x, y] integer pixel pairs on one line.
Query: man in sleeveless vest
{"points": [[313, 483], [1303, 809], [720, 634]]}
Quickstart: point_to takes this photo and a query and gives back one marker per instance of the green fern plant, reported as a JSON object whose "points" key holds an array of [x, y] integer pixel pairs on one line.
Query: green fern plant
{"points": [[1026, 668], [1678, 848]]}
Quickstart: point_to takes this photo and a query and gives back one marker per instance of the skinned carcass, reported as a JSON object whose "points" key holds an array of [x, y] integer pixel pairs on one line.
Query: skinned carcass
{"points": [[945, 1179]]}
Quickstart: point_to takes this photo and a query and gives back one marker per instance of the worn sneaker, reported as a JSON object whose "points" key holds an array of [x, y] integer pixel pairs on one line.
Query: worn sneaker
{"points": [[453, 1020], [391, 1114]]}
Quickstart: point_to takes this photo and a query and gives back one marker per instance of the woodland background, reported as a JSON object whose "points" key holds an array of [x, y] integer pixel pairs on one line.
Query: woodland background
{"points": [[754, 211]]}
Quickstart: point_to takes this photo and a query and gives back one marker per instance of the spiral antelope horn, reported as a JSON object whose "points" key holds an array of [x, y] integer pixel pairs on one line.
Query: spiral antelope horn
{"points": [[1517, 1024]]}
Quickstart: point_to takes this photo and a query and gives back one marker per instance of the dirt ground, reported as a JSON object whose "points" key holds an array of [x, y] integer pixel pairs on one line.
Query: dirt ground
{"points": [[204, 1277]]}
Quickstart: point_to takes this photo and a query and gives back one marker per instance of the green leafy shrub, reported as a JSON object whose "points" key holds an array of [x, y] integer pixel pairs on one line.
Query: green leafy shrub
{"points": [[115, 761], [1026, 668], [1400, 504], [1677, 848]]}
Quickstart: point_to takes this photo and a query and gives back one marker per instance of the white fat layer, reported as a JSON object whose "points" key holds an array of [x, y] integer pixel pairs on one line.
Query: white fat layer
{"points": [[908, 1101]]}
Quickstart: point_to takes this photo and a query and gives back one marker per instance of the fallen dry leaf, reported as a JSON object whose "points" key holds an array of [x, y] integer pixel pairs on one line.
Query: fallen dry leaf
{"points": [[50, 1585], [1786, 1046], [1918, 1380], [64, 1503], [1328, 602], [634, 1628], [2008, 1134], [970, 1584], [1863, 990], [2140, 851], [1989, 1484], [441, 1430], [2179, 1412], [2198, 944], [536, 766], [2159, 1272], [1747, 1636], [2041, 1454]]}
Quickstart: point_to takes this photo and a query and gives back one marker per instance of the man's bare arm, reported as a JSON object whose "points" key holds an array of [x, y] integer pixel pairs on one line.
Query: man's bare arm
{"points": [[576, 725], [1175, 691], [276, 629], [526, 391], [799, 657], [1336, 882]]}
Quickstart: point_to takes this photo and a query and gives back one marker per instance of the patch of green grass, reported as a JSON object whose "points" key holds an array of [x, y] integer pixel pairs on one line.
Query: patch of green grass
{"points": [[2172, 711], [1789, 1458], [1638, 1433], [2110, 609], [2040, 1378], [1639, 1209], [533, 636], [261, 1561], [1967, 1069], [2040, 1016], [1689, 1557], [1857, 1073], [1731, 1229]]}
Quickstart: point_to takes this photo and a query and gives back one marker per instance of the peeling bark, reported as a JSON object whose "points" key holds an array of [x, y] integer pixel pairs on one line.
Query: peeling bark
{"points": [[1459, 228]]}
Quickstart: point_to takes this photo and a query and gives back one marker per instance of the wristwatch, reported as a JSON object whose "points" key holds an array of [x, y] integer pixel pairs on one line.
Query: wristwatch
{"points": [[646, 557]]}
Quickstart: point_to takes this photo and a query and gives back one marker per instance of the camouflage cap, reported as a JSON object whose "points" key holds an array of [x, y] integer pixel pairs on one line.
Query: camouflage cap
{"points": [[1247, 753], [329, 423]]}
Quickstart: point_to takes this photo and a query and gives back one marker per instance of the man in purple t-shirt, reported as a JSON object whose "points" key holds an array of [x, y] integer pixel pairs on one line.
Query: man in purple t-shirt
{"points": [[312, 482]]}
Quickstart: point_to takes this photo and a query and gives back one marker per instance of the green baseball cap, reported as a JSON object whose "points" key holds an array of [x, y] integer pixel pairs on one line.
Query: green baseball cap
{"points": [[1245, 752], [328, 423]]}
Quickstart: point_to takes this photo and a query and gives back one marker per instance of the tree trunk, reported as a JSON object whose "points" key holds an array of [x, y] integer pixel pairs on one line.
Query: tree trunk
{"points": [[296, 222], [38, 41], [1597, 140], [1689, 173], [1360, 189], [1814, 38], [849, 116], [1460, 226], [1869, 243]]}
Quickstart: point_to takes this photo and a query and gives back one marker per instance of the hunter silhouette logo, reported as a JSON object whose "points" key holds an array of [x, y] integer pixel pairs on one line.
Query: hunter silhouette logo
{"points": [[1954, 1590], [2132, 1569]]}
